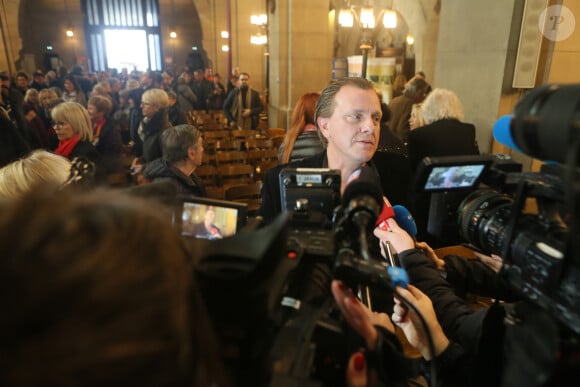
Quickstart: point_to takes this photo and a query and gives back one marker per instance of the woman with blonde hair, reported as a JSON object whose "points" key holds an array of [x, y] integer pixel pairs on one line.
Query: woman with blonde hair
{"points": [[147, 146], [37, 168], [416, 119], [301, 139], [73, 128]]}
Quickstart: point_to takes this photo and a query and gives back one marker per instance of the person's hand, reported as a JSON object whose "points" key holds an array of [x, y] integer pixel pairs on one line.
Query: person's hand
{"points": [[398, 238], [411, 325], [356, 371], [358, 316], [246, 112], [495, 262], [136, 166], [439, 263]]}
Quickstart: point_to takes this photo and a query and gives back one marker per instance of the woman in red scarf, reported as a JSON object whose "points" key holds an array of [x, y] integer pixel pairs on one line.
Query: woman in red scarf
{"points": [[74, 131]]}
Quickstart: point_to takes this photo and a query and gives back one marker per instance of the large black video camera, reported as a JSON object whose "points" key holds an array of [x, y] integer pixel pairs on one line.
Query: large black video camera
{"points": [[268, 288], [529, 219]]}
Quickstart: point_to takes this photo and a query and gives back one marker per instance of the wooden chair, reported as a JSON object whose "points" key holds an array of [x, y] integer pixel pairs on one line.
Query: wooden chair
{"points": [[215, 135], [215, 192], [259, 143], [208, 159], [275, 132], [261, 168], [235, 174], [199, 116], [244, 134], [230, 157], [257, 156], [228, 145], [211, 124], [250, 193], [208, 174]]}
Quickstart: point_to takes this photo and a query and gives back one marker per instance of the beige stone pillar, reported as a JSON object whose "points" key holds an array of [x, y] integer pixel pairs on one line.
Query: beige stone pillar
{"points": [[300, 54], [473, 53]]}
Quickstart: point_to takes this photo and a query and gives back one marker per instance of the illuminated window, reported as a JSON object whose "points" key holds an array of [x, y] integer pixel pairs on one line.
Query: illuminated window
{"points": [[123, 33]]}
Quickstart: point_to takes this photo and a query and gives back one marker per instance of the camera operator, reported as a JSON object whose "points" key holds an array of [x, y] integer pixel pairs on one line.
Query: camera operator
{"points": [[506, 344]]}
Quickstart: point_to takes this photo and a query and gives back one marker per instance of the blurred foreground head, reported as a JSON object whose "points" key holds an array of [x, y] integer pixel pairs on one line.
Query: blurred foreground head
{"points": [[96, 290]]}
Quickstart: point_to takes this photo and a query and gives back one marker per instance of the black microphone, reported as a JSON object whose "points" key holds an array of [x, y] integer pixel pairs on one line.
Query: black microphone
{"points": [[362, 202], [362, 199]]}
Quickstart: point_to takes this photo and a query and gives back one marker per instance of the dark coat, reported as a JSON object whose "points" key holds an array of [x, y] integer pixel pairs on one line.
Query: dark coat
{"points": [[149, 148], [400, 108], [13, 145], [176, 115], [110, 147], [448, 137], [85, 148], [271, 207], [255, 105], [160, 170]]}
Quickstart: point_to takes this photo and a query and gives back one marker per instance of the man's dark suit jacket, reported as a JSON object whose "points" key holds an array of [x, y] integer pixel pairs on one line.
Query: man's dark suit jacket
{"points": [[272, 207], [271, 201]]}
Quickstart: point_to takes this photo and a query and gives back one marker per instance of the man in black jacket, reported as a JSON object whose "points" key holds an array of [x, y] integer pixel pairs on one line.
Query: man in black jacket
{"points": [[243, 106], [347, 115]]}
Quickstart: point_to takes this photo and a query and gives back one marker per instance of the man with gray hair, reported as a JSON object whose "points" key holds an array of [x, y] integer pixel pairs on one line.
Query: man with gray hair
{"points": [[182, 148]]}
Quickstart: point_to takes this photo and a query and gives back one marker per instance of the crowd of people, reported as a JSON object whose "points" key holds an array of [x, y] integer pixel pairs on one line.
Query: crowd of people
{"points": [[99, 289], [126, 111]]}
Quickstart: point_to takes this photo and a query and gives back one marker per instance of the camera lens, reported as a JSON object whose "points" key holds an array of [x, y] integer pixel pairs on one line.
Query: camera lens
{"points": [[483, 216]]}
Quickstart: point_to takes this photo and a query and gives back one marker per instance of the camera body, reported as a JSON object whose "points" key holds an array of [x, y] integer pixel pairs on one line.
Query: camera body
{"points": [[324, 239], [518, 216]]}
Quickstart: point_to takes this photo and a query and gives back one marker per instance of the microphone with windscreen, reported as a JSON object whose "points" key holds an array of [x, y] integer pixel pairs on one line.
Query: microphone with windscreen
{"points": [[362, 200], [502, 132], [405, 220]]}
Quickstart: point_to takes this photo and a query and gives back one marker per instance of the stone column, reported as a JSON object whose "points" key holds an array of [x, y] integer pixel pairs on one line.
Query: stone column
{"points": [[300, 54]]}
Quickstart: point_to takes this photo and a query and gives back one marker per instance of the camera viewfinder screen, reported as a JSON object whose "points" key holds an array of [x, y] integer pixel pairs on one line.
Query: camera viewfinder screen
{"points": [[453, 177], [207, 221]]}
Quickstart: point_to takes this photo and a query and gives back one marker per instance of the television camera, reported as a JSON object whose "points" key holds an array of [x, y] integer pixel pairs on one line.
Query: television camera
{"points": [[270, 299], [529, 219]]}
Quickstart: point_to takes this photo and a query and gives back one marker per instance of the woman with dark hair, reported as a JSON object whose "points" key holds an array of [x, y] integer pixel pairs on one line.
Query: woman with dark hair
{"points": [[72, 91], [301, 139], [134, 113]]}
